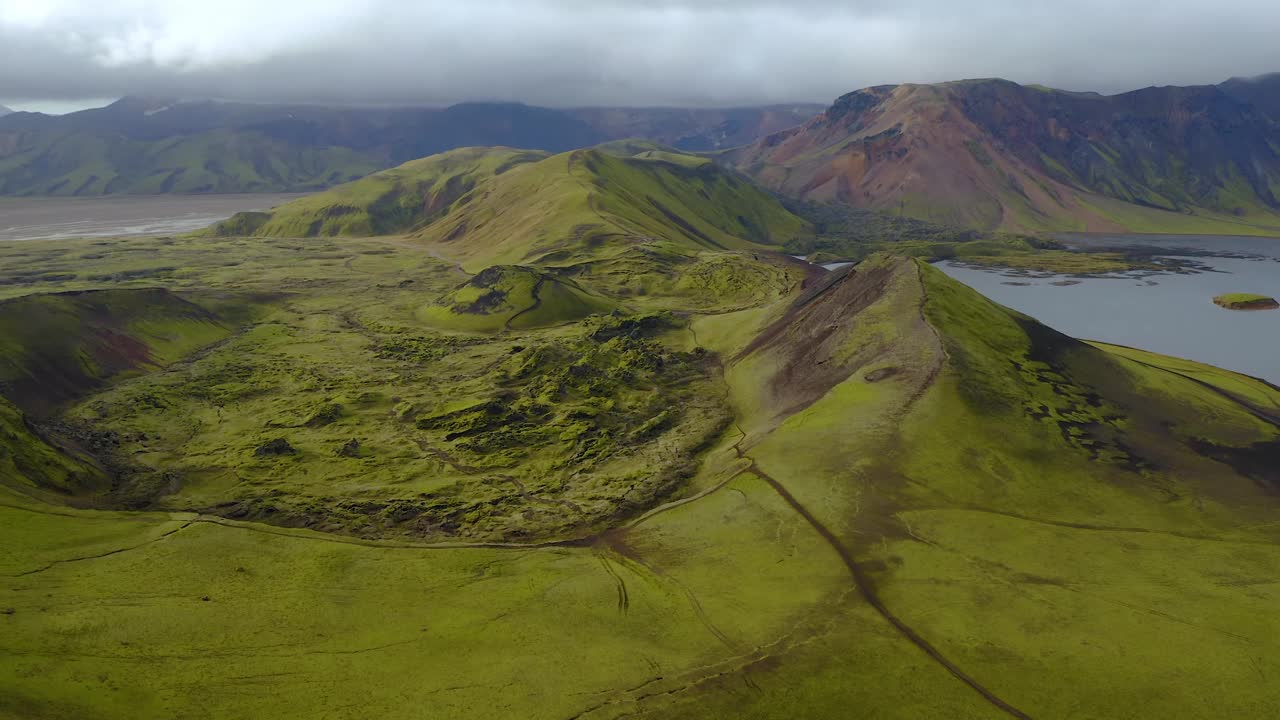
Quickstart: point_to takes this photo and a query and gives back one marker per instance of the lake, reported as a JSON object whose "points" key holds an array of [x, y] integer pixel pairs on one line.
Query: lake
{"points": [[43, 218], [1166, 312]]}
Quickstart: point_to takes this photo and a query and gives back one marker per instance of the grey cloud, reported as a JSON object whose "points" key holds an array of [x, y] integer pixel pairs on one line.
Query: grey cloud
{"points": [[614, 52]]}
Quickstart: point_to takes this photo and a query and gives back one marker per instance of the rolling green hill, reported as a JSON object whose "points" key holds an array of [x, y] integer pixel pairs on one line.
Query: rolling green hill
{"points": [[510, 297], [390, 202], [499, 206]]}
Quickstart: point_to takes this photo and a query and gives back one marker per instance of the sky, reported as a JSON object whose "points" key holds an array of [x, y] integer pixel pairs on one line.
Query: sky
{"points": [[57, 55]]}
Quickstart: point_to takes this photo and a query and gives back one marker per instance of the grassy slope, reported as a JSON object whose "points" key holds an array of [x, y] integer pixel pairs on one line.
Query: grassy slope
{"points": [[892, 465], [506, 297], [588, 203], [54, 348], [386, 203], [497, 207], [28, 461]]}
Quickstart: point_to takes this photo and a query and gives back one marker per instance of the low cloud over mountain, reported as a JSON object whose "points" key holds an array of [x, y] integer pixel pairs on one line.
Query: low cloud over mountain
{"points": [[611, 52]]}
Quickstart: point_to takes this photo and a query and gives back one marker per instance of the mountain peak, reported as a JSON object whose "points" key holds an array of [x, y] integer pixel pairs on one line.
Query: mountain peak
{"points": [[993, 154], [5, 111], [138, 104]]}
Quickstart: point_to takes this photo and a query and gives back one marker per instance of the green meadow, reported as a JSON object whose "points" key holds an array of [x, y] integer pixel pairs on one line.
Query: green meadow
{"points": [[605, 451]]}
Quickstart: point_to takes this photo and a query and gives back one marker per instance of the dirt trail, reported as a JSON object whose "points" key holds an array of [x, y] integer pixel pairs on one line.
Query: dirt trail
{"points": [[537, 303], [861, 579], [867, 589]]}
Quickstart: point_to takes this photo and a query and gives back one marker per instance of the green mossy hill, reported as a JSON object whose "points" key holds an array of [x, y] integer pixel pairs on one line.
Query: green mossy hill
{"points": [[641, 149], [1093, 398], [1246, 301], [588, 204], [507, 297], [58, 347], [982, 473], [390, 202], [496, 206]]}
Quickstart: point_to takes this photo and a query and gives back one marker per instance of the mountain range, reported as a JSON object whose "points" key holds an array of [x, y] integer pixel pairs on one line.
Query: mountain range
{"points": [[993, 154], [146, 146], [990, 154]]}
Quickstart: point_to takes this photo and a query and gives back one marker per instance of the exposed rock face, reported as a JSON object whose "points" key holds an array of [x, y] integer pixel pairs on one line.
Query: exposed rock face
{"points": [[995, 154], [275, 448]]}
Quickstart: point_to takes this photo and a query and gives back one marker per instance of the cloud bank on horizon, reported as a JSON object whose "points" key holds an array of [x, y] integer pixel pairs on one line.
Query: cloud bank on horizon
{"points": [[612, 52]]}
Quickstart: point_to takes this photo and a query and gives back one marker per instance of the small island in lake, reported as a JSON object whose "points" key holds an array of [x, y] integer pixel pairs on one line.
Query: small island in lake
{"points": [[1246, 301]]}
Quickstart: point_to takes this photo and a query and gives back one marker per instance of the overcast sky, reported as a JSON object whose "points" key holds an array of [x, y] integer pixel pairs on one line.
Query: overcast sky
{"points": [[63, 53]]}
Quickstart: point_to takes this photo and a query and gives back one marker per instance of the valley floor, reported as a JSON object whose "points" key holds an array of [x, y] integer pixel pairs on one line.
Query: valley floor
{"points": [[881, 496]]}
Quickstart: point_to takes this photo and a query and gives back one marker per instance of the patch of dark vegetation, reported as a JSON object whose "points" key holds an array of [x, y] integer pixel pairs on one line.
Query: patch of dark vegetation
{"points": [[694, 233], [852, 234], [1082, 417], [349, 449], [614, 387], [425, 349], [885, 373], [274, 448], [131, 486], [34, 277], [636, 328], [139, 274], [326, 414], [1259, 462]]}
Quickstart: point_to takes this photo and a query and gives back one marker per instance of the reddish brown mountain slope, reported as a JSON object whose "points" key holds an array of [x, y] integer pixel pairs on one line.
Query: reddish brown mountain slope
{"points": [[994, 154]]}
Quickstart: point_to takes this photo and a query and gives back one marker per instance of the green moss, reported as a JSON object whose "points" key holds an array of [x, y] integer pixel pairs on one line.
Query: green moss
{"points": [[873, 489], [29, 461], [58, 347], [1246, 301], [581, 205], [510, 298]]}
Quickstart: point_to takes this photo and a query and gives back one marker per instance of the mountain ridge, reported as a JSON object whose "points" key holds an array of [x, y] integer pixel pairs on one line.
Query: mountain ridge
{"points": [[155, 145], [993, 154]]}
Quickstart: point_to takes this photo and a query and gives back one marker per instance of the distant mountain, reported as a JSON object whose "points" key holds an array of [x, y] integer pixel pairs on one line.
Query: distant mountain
{"points": [[1263, 92], [993, 154], [157, 145], [5, 111], [697, 130]]}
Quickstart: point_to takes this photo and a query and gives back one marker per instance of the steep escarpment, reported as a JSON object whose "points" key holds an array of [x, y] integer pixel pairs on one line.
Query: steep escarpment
{"points": [[993, 154], [29, 460], [62, 346]]}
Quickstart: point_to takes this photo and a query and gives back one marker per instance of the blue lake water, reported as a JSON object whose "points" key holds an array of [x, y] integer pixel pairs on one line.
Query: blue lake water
{"points": [[1166, 313]]}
